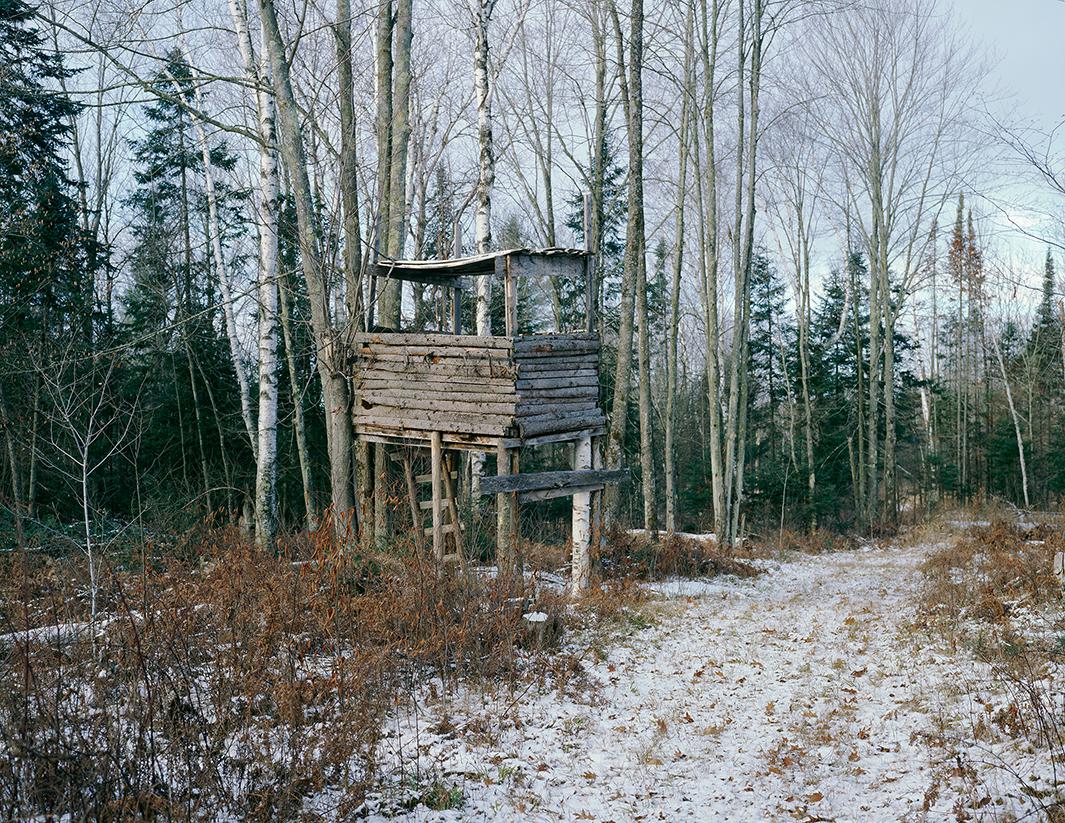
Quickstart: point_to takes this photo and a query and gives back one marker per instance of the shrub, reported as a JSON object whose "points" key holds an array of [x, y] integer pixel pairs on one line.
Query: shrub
{"points": [[227, 681], [636, 556]]}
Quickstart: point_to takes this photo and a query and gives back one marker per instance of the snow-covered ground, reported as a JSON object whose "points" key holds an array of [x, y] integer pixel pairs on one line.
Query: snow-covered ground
{"points": [[800, 694]]}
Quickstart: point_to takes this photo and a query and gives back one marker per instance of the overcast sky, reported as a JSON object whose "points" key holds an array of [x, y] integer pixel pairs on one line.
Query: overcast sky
{"points": [[1026, 40]]}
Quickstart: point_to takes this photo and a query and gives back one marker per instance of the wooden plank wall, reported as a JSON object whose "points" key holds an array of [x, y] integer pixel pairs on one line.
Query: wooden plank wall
{"points": [[527, 386], [413, 384], [557, 383]]}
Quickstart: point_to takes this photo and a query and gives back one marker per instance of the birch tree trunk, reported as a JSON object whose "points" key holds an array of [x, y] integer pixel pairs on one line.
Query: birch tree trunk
{"points": [[215, 236], [486, 173], [1013, 416], [266, 453], [687, 94], [329, 354], [632, 102], [265, 450]]}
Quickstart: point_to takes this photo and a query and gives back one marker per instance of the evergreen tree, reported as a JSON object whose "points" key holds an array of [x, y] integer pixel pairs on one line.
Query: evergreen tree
{"points": [[172, 310], [47, 262], [771, 333], [610, 261], [839, 342]]}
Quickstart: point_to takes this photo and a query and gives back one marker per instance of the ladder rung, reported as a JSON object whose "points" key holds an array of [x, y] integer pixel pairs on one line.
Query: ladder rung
{"points": [[426, 505], [428, 478], [447, 528]]}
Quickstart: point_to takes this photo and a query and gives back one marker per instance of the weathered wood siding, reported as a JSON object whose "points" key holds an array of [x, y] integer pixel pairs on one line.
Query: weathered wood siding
{"points": [[526, 386], [557, 383]]}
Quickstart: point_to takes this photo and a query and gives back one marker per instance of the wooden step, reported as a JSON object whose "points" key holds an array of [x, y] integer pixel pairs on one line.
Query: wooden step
{"points": [[428, 478], [447, 528], [574, 481], [427, 505]]}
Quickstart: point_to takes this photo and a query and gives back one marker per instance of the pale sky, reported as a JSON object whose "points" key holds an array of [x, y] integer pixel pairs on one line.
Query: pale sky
{"points": [[1025, 39]]}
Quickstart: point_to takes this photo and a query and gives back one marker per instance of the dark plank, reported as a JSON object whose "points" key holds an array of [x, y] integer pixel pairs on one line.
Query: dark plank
{"points": [[540, 481]]}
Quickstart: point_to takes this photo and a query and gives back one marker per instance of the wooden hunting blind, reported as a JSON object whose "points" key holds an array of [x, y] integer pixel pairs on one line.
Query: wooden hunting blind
{"points": [[451, 391]]}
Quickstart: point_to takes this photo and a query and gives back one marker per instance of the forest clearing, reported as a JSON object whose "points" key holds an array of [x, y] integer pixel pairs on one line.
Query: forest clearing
{"points": [[916, 679], [810, 692]]}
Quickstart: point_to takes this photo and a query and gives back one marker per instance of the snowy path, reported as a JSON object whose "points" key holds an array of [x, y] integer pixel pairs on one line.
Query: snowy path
{"points": [[795, 695]]}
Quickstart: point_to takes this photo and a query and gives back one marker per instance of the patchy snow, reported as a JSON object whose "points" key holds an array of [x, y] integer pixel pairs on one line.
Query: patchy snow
{"points": [[799, 694], [702, 537]]}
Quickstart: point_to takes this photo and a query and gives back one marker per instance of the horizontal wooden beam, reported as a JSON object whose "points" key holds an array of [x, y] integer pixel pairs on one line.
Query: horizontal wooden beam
{"points": [[431, 339], [551, 494], [541, 481]]}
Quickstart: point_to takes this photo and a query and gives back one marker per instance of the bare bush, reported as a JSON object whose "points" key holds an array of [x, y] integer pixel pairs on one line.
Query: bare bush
{"points": [[230, 681]]}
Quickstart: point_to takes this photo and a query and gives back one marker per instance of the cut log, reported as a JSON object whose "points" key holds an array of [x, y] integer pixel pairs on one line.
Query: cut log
{"points": [[420, 428], [551, 494], [457, 404], [500, 370], [558, 382], [583, 421]]}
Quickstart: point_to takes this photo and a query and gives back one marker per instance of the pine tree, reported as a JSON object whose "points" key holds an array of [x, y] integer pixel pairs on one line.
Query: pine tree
{"points": [[47, 263]]}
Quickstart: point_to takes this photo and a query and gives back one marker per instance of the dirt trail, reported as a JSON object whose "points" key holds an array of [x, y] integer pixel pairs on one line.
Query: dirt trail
{"points": [[795, 695]]}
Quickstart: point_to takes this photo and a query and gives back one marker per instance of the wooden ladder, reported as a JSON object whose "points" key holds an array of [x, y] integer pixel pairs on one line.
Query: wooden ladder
{"points": [[450, 522]]}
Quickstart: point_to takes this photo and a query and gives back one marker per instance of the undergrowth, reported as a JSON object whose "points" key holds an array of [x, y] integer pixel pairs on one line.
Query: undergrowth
{"points": [[224, 681], [630, 556], [993, 592]]}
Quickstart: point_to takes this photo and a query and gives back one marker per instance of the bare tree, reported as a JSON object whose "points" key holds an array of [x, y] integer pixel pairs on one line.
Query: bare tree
{"points": [[330, 357]]}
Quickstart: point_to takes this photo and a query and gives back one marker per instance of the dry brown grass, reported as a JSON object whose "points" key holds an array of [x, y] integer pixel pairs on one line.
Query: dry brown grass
{"points": [[817, 541], [993, 591], [636, 557], [992, 570], [232, 682]]}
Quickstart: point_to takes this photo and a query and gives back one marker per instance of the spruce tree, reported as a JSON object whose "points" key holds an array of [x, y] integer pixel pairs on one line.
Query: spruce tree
{"points": [[172, 309], [47, 262]]}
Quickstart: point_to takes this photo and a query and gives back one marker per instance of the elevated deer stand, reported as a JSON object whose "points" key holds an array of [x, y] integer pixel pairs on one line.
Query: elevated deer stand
{"points": [[449, 392]]}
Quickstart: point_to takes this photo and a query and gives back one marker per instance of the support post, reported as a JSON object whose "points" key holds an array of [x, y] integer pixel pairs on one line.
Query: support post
{"points": [[436, 453], [581, 567], [456, 294], [589, 268], [456, 311], [507, 513], [510, 297], [452, 505], [412, 497], [598, 538]]}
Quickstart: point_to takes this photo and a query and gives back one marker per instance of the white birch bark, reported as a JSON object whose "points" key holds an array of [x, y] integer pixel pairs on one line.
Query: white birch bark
{"points": [[221, 270], [329, 357], [486, 172], [258, 73]]}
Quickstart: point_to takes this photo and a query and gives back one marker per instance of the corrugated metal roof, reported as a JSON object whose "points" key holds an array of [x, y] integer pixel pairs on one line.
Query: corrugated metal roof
{"points": [[443, 271]]}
